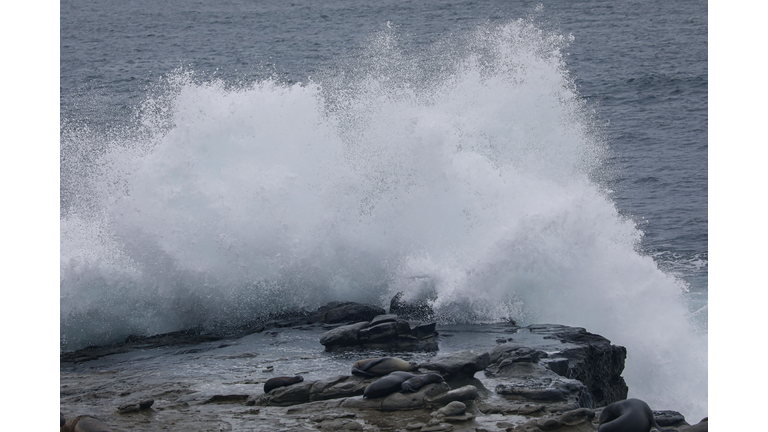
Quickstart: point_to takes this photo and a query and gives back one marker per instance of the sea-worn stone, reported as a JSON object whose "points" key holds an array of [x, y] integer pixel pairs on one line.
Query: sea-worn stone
{"points": [[379, 332], [380, 319], [462, 364], [338, 387], [537, 383], [454, 408], [424, 330], [349, 312], [579, 420], [317, 418], [592, 360], [403, 329], [358, 402], [577, 416], [508, 353], [343, 336], [410, 401], [669, 418], [402, 402], [383, 332]]}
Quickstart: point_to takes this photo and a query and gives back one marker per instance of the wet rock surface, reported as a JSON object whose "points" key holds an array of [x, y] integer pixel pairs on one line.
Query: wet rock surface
{"points": [[535, 378], [382, 332]]}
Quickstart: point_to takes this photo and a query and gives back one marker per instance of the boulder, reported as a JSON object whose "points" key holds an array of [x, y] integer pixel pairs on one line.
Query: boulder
{"points": [[574, 354], [669, 418], [579, 420], [592, 360], [535, 382], [341, 386], [346, 312], [343, 336], [382, 332], [462, 364]]}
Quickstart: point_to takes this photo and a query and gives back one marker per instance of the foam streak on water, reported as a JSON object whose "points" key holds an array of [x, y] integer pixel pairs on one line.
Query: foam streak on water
{"points": [[470, 179]]}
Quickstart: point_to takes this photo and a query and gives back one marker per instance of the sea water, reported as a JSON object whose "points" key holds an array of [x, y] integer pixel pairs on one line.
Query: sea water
{"points": [[221, 162]]}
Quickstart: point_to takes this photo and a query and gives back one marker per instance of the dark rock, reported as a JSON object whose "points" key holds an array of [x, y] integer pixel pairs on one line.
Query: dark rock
{"points": [[535, 382], [422, 331], [593, 360], [338, 387], [343, 336], [349, 312], [403, 329], [382, 319], [579, 420], [418, 310], [381, 332], [504, 356], [462, 364], [341, 386], [574, 354], [577, 416], [669, 418]]}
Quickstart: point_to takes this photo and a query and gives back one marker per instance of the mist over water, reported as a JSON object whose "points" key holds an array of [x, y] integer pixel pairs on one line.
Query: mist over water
{"points": [[468, 172]]}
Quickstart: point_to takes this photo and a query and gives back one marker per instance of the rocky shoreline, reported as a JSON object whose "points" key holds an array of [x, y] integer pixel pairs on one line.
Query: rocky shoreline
{"points": [[544, 377]]}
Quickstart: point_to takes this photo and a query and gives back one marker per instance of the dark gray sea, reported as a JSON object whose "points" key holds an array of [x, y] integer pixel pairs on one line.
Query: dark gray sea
{"points": [[541, 161]]}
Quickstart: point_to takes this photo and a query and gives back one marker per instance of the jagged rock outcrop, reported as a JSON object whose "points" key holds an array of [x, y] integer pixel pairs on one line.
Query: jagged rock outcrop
{"points": [[592, 360], [581, 367]]}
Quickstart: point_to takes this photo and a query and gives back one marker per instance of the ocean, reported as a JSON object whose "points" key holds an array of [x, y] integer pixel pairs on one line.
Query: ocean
{"points": [[540, 161]]}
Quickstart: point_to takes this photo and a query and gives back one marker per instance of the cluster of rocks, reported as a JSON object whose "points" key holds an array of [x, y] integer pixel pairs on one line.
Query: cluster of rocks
{"points": [[382, 332], [550, 377]]}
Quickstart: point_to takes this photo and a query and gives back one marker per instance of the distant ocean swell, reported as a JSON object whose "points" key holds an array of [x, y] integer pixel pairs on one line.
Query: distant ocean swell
{"points": [[469, 173]]}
